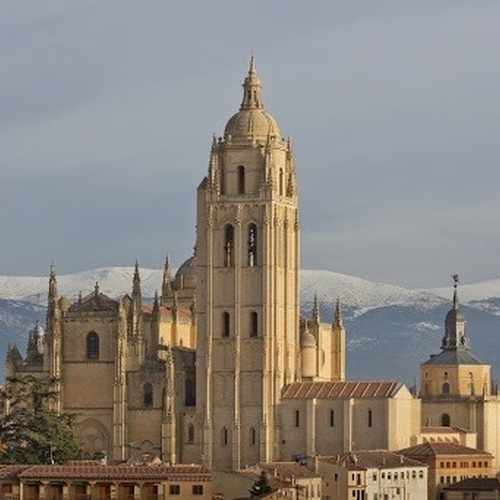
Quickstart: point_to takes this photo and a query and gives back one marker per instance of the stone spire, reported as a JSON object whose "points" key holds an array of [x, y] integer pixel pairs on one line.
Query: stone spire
{"points": [[166, 287], [252, 98], [315, 312], [455, 335], [52, 283], [338, 320], [136, 284], [52, 298]]}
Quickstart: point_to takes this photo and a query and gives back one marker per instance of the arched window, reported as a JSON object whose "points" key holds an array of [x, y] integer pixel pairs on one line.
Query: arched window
{"points": [[332, 418], [445, 389], [254, 324], [147, 394], [252, 245], [445, 375], [297, 418], [445, 420], [229, 246], [370, 418], [226, 324], [224, 436], [470, 386], [253, 436], [189, 395], [241, 179], [281, 182], [92, 346], [190, 433]]}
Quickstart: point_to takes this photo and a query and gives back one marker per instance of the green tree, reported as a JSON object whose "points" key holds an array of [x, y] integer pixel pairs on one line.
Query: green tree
{"points": [[30, 431], [261, 486]]}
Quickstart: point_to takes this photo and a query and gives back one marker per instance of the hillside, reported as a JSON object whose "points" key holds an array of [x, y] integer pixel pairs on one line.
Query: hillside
{"points": [[390, 329]]}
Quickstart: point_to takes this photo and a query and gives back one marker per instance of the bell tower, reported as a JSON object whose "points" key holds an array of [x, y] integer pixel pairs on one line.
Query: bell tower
{"points": [[247, 262]]}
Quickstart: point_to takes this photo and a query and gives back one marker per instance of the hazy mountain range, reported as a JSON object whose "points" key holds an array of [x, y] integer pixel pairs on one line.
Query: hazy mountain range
{"points": [[390, 329]]}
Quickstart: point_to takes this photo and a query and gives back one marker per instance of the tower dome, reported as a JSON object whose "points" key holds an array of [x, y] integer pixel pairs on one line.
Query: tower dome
{"points": [[252, 121], [185, 277]]}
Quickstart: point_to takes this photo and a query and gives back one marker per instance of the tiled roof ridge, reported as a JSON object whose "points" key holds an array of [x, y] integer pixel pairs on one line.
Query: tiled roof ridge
{"points": [[342, 389], [438, 447]]}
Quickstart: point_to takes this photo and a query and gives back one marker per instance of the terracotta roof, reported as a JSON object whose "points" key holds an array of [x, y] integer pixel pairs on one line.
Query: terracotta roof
{"points": [[287, 470], [12, 471], [439, 448], [371, 459], [341, 390], [476, 483], [117, 472]]}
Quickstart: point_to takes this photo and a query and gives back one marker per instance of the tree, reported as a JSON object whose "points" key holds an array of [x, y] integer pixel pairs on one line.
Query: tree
{"points": [[30, 431], [261, 486]]}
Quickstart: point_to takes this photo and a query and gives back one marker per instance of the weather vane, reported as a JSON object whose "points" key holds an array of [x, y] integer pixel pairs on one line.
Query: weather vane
{"points": [[456, 280]]}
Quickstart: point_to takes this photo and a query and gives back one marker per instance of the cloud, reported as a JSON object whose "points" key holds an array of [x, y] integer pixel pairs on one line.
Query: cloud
{"points": [[108, 110]]}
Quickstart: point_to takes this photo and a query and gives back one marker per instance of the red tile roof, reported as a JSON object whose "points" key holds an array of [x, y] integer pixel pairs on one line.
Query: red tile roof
{"points": [[340, 390], [433, 449], [370, 459], [116, 472]]}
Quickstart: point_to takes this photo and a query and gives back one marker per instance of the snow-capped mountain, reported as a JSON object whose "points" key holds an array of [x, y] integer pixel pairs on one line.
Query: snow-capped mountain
{"points": [[390, 329]]}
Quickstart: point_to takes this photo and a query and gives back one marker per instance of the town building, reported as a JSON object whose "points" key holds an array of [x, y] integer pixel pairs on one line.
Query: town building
{"points": [[456, 388], [104, 482], [450, 463], [473, 489], [372, 474]]}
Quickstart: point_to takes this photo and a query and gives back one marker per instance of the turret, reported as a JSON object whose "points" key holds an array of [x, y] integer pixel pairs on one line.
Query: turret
{"points": [[308, 348], [338, 345], [166, 286]]}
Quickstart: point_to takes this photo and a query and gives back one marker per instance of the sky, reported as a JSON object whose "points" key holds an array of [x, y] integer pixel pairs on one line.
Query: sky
{"points": [[107, 111]]}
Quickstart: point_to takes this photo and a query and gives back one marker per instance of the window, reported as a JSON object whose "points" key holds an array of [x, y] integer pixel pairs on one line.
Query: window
{"points": [[253, 436], [281, 182], [226, 324], [421, 474], [92, 346], [297, 418], [197, 489], [241, 179], [252, 245], [229, 246], [147, 393], [254, 324], [332, 418], [370, 418], [189, 393], [175, 489], [190, 433], [445, 420], [445, 389], [224, 436]]}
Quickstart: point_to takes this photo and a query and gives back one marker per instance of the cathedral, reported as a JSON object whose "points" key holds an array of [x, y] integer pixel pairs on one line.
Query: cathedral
{"points": [[221, 368]]}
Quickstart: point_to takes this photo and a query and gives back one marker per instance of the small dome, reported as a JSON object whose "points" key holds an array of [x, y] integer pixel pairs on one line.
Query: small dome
{"points": [[307, 339], [252, 121], [250, 124], [454, 315], [185, 277], [37, 331]]}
